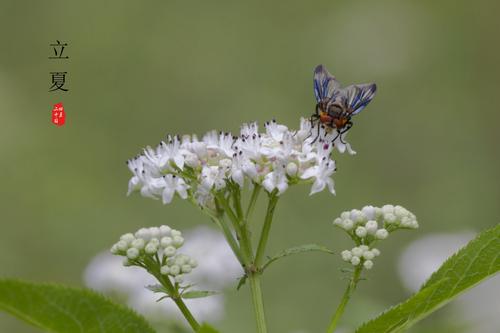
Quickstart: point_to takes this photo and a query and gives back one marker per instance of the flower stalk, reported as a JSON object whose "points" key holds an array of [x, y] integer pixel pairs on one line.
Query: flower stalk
{"points": [[345, 299]]}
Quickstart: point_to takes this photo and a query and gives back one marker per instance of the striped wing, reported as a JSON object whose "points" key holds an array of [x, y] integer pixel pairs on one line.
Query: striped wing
{"points": [[325, 85], [358, 96]]}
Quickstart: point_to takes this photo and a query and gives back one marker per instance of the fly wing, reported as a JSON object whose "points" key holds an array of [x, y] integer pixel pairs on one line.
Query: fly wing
{"points": [[358, 96], [325, 85]]}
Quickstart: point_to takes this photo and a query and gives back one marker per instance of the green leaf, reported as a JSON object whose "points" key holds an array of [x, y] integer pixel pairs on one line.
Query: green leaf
{"points": [[55, 308], [241, 282], [295, 250], [206, 329], [157, 288], [198, 293], [475, 262]]}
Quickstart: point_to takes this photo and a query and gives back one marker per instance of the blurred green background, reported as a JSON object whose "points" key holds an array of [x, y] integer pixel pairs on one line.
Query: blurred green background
{"points": [[139, 70]]}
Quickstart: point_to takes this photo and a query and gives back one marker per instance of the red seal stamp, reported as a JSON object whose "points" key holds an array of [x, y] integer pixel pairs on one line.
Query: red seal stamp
{"points": [[58, 114]]}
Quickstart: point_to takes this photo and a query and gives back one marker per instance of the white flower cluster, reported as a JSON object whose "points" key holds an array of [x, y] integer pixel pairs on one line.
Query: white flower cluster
{"points": [[371, 224], [359, 254], [274, 159], [155, 243]]}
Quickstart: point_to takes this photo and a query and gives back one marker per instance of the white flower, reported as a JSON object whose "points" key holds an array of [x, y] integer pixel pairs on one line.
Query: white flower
{"points": [[322, 173], [276, 179], [172, 185], [267, 159]]}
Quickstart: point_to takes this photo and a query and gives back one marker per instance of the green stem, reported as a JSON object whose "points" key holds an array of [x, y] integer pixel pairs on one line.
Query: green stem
{"points": [[223, 226], [253, 201], [345, 299], [264, 235], [258, 303], [154, 268]]}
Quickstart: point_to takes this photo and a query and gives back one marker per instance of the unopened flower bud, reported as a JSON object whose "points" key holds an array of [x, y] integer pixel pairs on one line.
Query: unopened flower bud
{"points": [[361, 232], [355, 261], [375, 252], [346, 255], [169, 251], [193, 263], [166, 241], [371, 227], [368, 255], [151, 248], [179, 279], [390, 218], [165, 270], [174, 270], [369, 212], [291, 169], [368, 264], [132, 253], [357, 252], [164, 231], [174, 233], [143, 233], [178, 241], [155, 232], [381, 234], [337, 222], [347, 224], [186, 268], [138, 244], [127, 238], [122, 245]]}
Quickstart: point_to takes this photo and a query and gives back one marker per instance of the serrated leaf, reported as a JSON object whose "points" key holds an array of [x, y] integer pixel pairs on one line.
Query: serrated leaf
{"points": [[206, 329], [198, 293], [295, 250], [475, 262], [62, 309]]}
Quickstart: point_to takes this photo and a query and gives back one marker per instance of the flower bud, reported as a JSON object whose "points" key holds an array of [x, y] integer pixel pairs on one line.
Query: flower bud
{"points": [[346, 255], [164, 231], [347, 224], [127, 238], [291, 169], [192, 161], [193, 263], [357, 252], [143, 233], [165, 270], [381, 234], [169, 251], [179, 279], [186, 268], [369, 212], [364, 248], [132, 253], [368, 264], [138, 244], [174, 270], [355, 261], [388, 209], [178, 241], [371, 227], [122, 246], [155, 232], [337, 222], [375, 252], [361, 232], [166, 241], [390, 218], [151, 248], [174, 233], [368, 255]]}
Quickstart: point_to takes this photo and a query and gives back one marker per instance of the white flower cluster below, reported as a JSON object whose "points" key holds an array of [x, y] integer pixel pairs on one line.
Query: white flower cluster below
{"points": [[276, 158], [369, 225], [157, 242]]}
